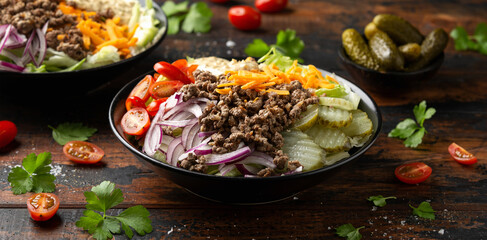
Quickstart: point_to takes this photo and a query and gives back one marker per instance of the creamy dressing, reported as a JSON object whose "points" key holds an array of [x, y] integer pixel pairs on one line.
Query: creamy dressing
{"points": [[121, 8], [218, 66]]}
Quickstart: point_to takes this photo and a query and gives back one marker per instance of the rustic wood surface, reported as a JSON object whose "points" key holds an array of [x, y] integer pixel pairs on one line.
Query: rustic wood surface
{"points": [[457, 193]]}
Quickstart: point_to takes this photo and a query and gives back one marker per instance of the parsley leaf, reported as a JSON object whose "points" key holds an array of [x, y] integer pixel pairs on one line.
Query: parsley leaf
{"points": [[477, 42], [196, 18], [379, 200], [66, 132], [33, 176], [287, 43], [349, 231], [103, 197], [424, 210], [413, 131]]}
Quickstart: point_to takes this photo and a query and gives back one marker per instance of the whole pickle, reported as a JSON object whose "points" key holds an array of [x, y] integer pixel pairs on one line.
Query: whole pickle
{"points": [[411, 51], [356, 48], [432, 46], [370, 30], [398, 29], [385, 52]]}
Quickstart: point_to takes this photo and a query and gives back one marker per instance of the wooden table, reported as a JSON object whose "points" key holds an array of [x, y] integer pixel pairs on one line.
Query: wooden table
{"points": [[456, 192]]}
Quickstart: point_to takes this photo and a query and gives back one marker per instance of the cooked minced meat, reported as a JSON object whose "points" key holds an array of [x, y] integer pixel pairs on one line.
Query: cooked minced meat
{"points": [[244, 115]]}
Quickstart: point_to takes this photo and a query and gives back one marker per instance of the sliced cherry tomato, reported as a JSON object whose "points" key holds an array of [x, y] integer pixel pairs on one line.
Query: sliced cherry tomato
{"points": [[8, 131], [136, 121], [134, 101], [156, 76], [42, 206], [413, 173], [244, 17], [164, 89], [83, 152], [270, 5], [141, 90], [153, 107], [180, 64], [461, 155], [171, 72]]}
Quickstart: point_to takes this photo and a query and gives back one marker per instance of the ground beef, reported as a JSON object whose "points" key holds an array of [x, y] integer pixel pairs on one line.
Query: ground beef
{"points": [[194, 163], [255, 118], [27, 15]]}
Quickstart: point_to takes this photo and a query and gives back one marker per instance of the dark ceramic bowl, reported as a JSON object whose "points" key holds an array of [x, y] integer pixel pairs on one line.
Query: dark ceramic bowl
{"points": [[239, 190], [388, 82], [81, 80]]}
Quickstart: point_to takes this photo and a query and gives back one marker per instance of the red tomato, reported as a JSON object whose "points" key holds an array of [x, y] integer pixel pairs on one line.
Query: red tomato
{"points": [[42, 206], [244, 17], [182, 64], [270, 5], [164, 89], [83, 152], [171, 72], [141, 90], [153, 107], [136, 121], [413, 173], [8, 131], [134, 101], [461, 155]]}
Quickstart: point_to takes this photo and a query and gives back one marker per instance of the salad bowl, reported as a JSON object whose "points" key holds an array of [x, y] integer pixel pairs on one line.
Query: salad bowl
{"points": [[90, 78], [240, 190]]}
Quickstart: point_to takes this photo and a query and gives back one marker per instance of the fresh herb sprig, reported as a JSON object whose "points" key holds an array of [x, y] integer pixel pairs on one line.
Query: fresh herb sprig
{"points": [[349, 231], [379, 200], [103, 226], [424, 210], [33, 176], [194, 18], [287, 43], [476, 42], [413, 131], [66, 132]]}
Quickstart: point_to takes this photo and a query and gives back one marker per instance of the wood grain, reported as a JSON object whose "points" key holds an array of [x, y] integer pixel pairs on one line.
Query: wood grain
{"points": [[457, 193]]}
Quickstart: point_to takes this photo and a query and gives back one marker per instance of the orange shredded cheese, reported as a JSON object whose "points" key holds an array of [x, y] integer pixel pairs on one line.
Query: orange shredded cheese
{"points": [[97, 35], [269, 76]]}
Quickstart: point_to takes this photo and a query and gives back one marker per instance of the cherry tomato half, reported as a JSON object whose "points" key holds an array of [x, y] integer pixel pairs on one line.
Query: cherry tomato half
{"points": [[182, 64], [134, 101], [413, 173], [171, 72], [136, 121], [141, 90], [164, 89], [244, 17], [42, 206], [270, 5], [8, 131], [83, 152], [461, 155], [153, 107]]}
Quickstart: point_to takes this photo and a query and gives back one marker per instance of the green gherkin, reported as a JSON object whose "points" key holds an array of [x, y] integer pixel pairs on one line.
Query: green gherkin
{"points": [[411, 51], [385, 52], [357, 49], [398, 29], [432, 46]]}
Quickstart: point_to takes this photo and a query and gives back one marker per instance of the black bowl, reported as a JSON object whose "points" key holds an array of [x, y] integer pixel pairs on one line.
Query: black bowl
{"points": [[239, 190], [81, 80], [388, 82]]}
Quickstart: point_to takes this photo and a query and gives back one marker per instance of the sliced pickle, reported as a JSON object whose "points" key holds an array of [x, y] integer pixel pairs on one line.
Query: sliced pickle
{"points": [[337, 102], [332, 140], [361, 125], [308, 118], [334, 117]]}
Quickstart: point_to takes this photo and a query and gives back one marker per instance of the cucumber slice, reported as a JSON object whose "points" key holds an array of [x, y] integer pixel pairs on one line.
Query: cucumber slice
{"points": [[334, 117], [332, 140], [337, 102], [308, 118]]}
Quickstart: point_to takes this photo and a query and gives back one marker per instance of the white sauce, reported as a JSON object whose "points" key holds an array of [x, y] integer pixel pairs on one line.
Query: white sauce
{"points": [[218, 66], [121, 8]]}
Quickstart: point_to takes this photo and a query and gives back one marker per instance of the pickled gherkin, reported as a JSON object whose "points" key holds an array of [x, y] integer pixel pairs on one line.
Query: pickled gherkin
{"points": [[370, 30], [411, 51], [432, 46], [357, 49], [398, 29], [385, 52]]}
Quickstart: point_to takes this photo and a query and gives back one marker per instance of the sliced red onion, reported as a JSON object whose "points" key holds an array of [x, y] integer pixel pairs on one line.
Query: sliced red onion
{"points": [[204, 150], [181, 116], [206, 134], [165, 143], [257, 160], [6, 36], [226, 169], [192, 150], [185, 133], [177, 108], [12, 56], [181, 123], [28, 44], [192, 136], [215, 159], [44, 28], [6, 66], [42, 46], [297, 170], [247, 169], [174, 149], [151, 142]]}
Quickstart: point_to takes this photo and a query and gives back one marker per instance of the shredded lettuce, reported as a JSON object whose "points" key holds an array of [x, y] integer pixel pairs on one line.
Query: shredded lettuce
{"points": [[277, 58], [33, 69], [106, 55], [338, 92], [58, 59]]}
